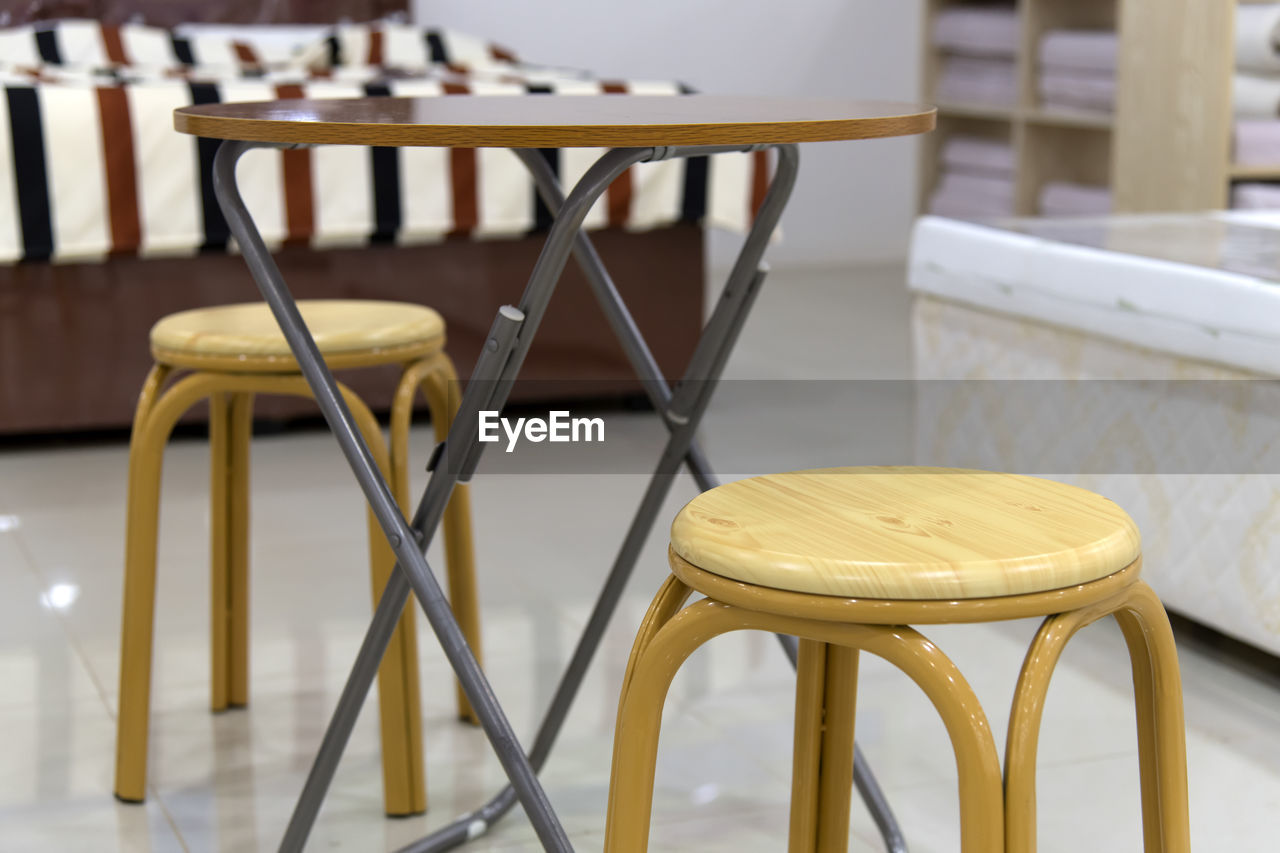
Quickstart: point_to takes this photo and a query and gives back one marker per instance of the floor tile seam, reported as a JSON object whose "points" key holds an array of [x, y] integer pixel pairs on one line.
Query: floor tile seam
{"points": [[158, 799]]}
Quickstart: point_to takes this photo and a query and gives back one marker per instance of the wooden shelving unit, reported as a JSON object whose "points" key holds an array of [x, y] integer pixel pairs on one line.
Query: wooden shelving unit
{"points": [[1167, 145]]}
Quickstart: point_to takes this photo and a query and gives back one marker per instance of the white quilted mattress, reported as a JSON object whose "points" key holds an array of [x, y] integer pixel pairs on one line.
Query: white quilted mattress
{"points": [[1000, 304], [1205, 286]]}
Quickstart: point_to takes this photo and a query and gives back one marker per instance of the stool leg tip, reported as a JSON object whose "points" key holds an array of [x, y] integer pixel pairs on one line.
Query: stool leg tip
{"points": [[403, 815]]}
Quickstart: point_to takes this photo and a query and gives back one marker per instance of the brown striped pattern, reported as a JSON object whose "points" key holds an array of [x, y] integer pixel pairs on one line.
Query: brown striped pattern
{"points": [[759, 181], [113, 46], [134, 202], [299, 210], [121, 170], [618, 197], [246, 54], [463, 174]]}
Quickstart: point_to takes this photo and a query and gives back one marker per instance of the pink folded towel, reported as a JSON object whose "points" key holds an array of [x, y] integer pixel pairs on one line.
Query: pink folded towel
{"points": [[1080, 50], [964, 79], [1062, 198], [977, 154], [1079, 90], [964, 195], [1257, 142], [984, 187], [959, 207], [977, 30]]}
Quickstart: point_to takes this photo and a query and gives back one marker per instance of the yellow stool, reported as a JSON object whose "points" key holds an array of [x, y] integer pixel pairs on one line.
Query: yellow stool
{"points": [[845, 559], [228, 354]]}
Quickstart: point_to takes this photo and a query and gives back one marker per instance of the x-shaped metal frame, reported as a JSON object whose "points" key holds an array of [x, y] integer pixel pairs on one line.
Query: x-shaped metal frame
{"points": [[455, 460]]}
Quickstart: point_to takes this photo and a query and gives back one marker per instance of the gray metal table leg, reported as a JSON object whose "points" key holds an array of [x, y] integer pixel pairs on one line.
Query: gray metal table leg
{"points": [[412, 565], [682, 410], [497, 369], [655, 384]]}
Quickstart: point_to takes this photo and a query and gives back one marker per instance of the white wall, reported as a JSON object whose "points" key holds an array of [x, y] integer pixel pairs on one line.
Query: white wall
{"points": [[854, 200]]}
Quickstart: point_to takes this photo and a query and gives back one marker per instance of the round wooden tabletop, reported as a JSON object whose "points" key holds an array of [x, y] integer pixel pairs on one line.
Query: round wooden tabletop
{"points": [[590, 121]]}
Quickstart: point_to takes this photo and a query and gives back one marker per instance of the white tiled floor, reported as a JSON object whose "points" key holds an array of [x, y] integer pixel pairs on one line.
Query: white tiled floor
{"points": [[227, 782]]}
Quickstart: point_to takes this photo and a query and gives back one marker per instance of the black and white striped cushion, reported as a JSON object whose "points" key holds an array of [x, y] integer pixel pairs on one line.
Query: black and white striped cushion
{"points": [[86, 171]]}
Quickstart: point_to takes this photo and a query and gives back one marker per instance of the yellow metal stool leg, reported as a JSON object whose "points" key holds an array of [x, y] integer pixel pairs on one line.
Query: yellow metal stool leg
{"points": [[822, 757], [231, 396], [1162, 749], [142, 506], [219, 550], [230, 427], [399, 696], [459, 545], [806, 751], [825, 702], [1158, 701], [241, 422], [836, 778]]}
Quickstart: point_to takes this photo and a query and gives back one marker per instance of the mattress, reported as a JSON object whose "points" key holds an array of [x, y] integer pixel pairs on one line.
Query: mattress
{"points": [[1188, 303], [1211, 540], [1199, 286]]}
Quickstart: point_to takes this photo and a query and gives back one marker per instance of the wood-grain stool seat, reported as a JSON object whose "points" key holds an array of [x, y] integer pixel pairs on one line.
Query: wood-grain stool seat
{"points": [[348, 332], [846, 560], [905, 533]]}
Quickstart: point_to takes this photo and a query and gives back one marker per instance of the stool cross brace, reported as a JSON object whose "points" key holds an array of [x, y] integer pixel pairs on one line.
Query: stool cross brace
{"points": [[456, 459]]}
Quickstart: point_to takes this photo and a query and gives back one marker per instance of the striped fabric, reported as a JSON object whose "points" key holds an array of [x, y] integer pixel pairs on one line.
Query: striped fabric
{"points": [[403, 46], [89, 170], [88, 44]]}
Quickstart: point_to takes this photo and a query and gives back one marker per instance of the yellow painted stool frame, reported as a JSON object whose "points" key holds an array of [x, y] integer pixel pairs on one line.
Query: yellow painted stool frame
{"points": [[997, 811], [229, 384]]}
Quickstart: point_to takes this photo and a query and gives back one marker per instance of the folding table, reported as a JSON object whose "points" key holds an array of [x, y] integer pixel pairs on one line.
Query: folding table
{"points": [[635, 129]]}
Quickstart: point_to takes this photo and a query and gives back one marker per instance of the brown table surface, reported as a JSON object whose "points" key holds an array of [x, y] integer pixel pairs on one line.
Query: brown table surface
{"points": [[521, 121]]}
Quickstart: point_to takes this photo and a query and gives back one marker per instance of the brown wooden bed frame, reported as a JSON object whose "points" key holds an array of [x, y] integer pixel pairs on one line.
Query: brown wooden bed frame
{"points": [[73, 337]]}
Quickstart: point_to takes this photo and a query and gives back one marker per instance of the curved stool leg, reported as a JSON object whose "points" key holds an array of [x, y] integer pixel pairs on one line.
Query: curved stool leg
{"points": [[1023, 737], [156, 415], [656, 661], [1162, 749], [655, 658], [1158, 703], [977, 766], [667, 603], [822, 757], [459, 547], [404, 787], [154, 418]]}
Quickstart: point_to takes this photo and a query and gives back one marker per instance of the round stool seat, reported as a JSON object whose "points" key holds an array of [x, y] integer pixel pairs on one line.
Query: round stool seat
{"points": [[905, 533], [349, 333]]}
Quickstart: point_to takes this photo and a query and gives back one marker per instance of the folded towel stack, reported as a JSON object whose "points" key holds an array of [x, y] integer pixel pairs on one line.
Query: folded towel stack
{"points": [[1078, 70], [1062, 198], [979, 46], [976, 180], [1255, 92], [1252, 196]]}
